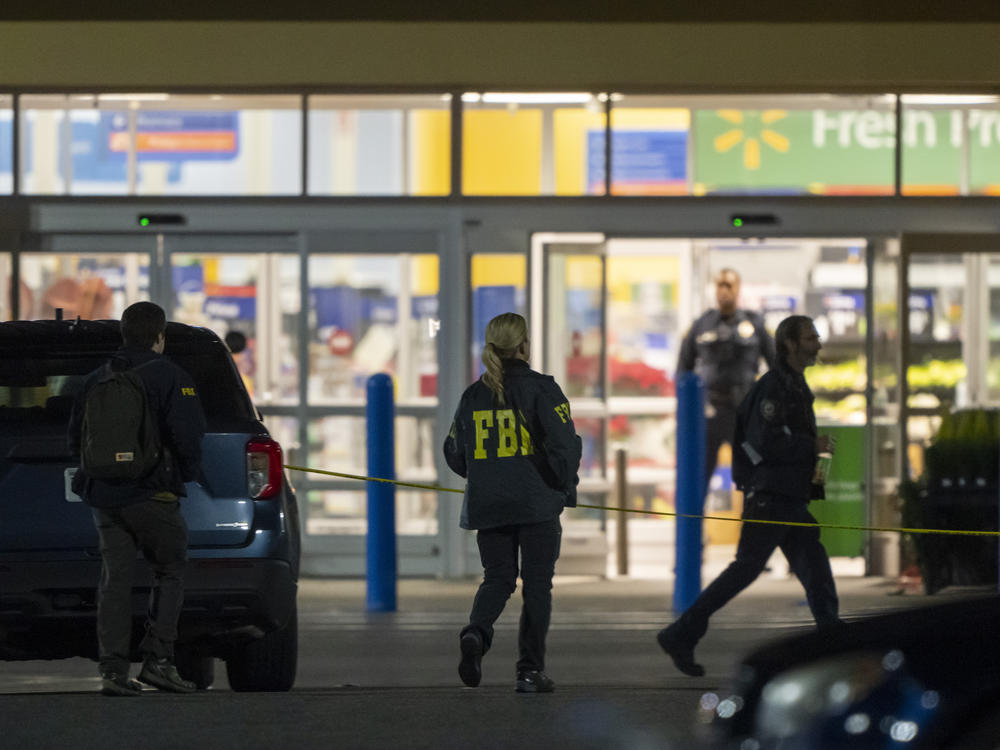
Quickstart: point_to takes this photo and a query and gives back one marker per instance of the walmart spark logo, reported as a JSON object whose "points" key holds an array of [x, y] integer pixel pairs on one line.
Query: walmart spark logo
{"points": [[751, 128]]}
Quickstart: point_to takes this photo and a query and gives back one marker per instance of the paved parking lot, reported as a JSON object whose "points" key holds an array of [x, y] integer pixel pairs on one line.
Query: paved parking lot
{"points": [[389, 679]]}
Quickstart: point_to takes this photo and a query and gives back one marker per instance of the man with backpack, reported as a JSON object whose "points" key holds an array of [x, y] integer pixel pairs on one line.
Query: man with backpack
{"points": [[137, 425], [775, 455]]}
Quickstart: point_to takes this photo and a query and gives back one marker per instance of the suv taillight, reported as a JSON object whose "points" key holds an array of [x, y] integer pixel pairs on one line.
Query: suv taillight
{"points": [[263, 468]]}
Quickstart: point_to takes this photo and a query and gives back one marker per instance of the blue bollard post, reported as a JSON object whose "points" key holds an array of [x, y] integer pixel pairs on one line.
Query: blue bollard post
{"points": [[381, 549], [690, 492]]}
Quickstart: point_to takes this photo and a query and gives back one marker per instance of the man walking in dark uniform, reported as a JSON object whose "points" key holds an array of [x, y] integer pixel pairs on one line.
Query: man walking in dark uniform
{"points": [[774, 463], [724, 346], [144, 514]]}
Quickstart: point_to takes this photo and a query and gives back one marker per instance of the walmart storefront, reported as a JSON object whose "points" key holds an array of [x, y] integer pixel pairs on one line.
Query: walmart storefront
{"points": [[348, 230]]}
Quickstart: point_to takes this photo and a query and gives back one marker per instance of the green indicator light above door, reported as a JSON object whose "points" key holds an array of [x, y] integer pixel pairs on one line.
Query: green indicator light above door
{"points": [[148, 220], [747, 220]]}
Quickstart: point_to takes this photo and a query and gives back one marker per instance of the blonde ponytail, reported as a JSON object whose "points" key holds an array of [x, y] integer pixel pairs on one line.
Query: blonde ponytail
{"points": [[504, 334]]}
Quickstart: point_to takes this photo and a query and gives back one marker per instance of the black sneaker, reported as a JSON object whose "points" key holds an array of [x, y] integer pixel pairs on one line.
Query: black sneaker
{"points": [[534, 681], [470, 668], [119, 685], [681, 650], [162, 674]]}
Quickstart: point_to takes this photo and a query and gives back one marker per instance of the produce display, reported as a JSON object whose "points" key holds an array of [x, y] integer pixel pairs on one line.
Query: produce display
{"points": [[936, 373], [840, 386]]}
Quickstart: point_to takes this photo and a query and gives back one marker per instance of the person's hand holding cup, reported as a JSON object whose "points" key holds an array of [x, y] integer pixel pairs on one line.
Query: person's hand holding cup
{"points": [[825, 447], [826, 444]]}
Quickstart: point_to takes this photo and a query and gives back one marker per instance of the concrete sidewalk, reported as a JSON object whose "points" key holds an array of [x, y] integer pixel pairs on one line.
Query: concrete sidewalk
{"points": [[768, 598]]}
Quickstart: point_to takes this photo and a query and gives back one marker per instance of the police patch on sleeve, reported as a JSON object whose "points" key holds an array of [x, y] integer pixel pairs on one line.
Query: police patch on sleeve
{"points": [[768, 409]]}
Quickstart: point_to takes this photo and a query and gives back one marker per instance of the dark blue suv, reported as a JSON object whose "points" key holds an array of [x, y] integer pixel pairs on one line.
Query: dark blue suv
{"points": [[243, 521]]}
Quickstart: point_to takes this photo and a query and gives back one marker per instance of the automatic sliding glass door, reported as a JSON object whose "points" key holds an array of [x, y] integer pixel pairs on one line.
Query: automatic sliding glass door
{"points": [[608, 329], [87, 275]]}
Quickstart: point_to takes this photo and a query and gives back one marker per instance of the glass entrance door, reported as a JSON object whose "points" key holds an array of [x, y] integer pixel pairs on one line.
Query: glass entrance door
{"points": [[613, 316], [92, 276], [370, 311]]}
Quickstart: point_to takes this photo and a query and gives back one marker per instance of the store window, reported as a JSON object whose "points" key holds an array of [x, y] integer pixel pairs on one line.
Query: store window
{"points": [[93, 286], [992, 294], [498, 285], [255, 298], [951, 144], [885, 433], [836, 300], [338, 444], [643, 344], [335, 512], [940, 359], [371, 314], [6, 143], [160, 144], [380, 145], [574, 324], [753, 145], [651, 142], [533, 143]]}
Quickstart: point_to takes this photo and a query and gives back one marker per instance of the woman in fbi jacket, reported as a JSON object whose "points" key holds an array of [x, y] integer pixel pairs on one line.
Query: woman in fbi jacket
{"points": [[514, 441]]}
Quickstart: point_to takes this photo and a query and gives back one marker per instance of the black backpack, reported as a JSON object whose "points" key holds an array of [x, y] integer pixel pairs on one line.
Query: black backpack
{"points": [[120, 435]]}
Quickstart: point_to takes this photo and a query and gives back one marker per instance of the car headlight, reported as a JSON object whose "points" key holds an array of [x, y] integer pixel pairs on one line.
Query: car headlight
{"points": [[849, 698]]}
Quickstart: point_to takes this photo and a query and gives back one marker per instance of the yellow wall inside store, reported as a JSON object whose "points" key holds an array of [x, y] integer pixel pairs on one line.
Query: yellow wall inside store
{"points": [[502, 152], [499, 270], [583, 272], [502, 149], [570, 128], [425, 275], [431, 138], [626, 271]]}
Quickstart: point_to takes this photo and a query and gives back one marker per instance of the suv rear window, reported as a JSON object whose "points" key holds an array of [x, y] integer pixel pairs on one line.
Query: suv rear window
{"points": [[42, 387]]}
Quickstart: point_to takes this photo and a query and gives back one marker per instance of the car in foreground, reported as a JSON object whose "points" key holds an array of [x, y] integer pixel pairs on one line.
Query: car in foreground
{"points": [[925, 677], [241, 512]]}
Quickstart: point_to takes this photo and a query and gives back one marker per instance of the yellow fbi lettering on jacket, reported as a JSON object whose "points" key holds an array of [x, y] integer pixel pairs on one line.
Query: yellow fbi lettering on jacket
{"points": [[502, 423], [187, 391]]}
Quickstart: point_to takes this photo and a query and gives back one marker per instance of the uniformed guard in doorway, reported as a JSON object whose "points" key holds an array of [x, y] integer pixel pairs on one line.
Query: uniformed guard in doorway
{"points": [[725, 346]]}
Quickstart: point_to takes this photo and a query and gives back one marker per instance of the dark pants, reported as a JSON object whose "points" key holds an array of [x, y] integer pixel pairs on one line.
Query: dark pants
{"points": [[498, 549], [719, 429], [158, 530], [806, 557]]}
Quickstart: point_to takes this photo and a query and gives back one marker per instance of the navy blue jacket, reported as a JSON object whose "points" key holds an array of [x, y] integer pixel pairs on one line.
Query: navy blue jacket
{"points": [[726, 353], [521, 459], [774, 448], [182, 425]]}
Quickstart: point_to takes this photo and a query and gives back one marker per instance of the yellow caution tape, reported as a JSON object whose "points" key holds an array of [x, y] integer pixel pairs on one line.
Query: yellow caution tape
{"points": [[435, 488]]}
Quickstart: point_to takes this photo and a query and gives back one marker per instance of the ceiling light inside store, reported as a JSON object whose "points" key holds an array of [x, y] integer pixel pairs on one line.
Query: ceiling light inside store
{"points": [[495, 97], [949, 99], [133, 97]]}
